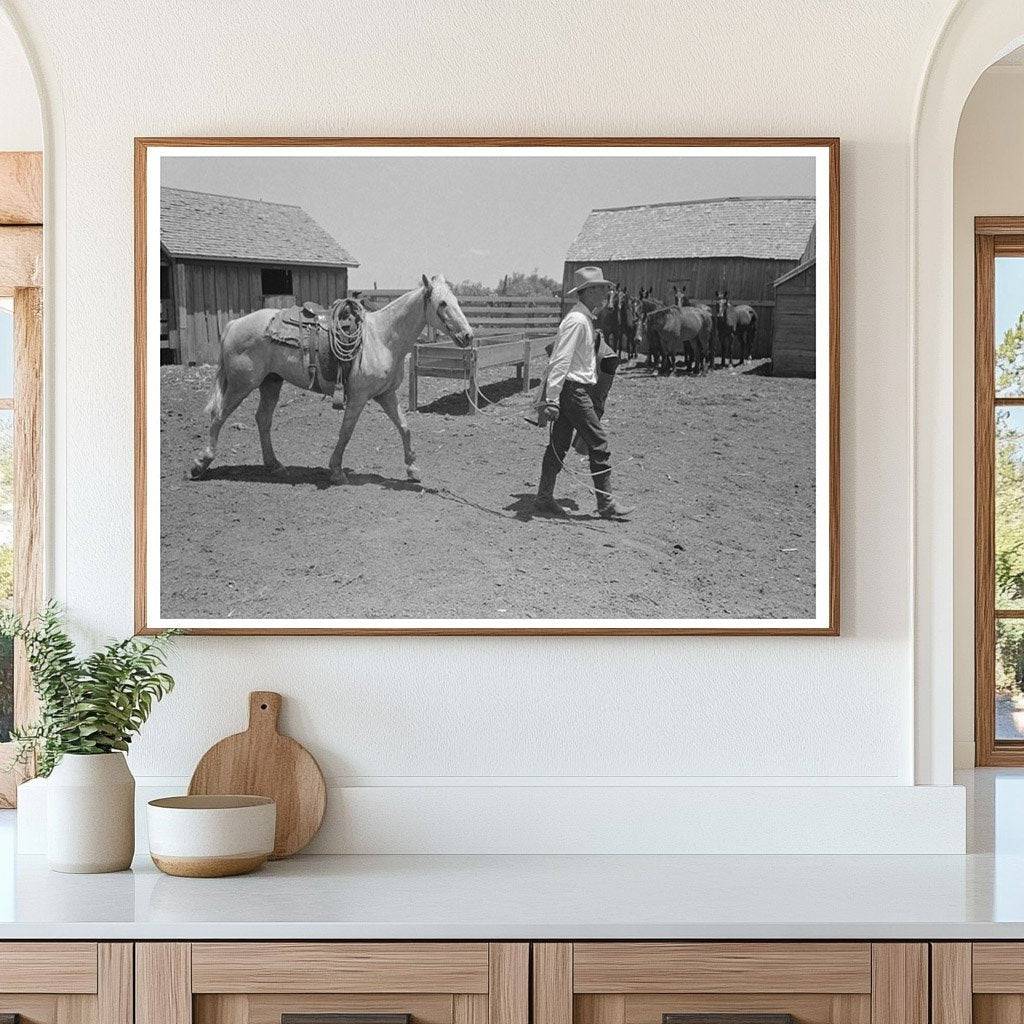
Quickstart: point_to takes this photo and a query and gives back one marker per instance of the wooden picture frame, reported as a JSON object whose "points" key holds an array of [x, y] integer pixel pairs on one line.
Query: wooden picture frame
{"points": [[826, 620], [21, 271]]}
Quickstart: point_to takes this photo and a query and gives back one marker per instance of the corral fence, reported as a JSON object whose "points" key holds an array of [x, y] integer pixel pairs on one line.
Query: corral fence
{"points": [[508, 330]]}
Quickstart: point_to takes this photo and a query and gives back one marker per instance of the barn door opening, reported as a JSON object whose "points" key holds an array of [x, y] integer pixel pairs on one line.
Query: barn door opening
{"points": [[278, 289]]}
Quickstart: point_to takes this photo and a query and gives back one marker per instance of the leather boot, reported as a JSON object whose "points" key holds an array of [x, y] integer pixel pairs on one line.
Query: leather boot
{"points": [[338, 398], [607, 506], [545, 503], [612, 509]]}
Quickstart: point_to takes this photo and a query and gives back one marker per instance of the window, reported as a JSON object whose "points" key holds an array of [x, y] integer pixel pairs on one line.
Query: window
{"points": [[999, 490], [6, 511], [276, 281], [21, 491]]}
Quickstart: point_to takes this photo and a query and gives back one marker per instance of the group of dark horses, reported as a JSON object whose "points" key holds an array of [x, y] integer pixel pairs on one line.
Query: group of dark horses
{"points": [[680, 327]]}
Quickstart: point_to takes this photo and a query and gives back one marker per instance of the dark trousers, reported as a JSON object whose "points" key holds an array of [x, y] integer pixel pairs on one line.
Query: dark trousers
{"points": [[577, 413]]}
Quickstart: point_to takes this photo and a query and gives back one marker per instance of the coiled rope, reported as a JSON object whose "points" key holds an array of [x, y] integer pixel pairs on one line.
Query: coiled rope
{"points": [[345, 345]]}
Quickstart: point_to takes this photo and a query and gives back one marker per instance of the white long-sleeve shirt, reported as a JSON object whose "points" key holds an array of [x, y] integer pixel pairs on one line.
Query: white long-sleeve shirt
{"points": [[573, 356]]}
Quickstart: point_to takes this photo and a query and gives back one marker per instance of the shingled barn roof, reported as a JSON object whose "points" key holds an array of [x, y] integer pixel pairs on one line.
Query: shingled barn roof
{"points": [[758, 228], [201, 225]]}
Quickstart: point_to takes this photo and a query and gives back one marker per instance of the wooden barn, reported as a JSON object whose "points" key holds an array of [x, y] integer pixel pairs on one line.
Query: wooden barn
{"points": [[223, 256], [795, 338], [741, 244]]}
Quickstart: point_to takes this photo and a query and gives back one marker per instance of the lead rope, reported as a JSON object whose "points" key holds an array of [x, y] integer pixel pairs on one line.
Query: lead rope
{"points": [[596, 492], [571, 472], [490, 401]]}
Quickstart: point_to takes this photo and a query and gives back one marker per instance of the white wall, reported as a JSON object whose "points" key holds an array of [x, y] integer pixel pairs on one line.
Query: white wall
{"points": [[441, 714], [21, 124], [988, 180]]}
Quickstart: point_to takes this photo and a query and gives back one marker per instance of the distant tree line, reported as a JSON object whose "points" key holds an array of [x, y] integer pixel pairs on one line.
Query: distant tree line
{"points": [[517, 283]]}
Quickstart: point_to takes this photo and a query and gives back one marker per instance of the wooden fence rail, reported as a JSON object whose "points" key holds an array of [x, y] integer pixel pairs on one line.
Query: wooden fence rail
{"points": [[486, 313]]}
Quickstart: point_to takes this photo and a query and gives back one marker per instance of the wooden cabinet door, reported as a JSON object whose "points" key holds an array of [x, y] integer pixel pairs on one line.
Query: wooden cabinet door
{"points": [[263, 982], [66, 982], [977, 983], [750, 982]]}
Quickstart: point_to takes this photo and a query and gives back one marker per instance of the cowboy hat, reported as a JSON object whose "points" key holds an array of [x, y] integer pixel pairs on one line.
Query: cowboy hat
{"points": [[587, 276]]}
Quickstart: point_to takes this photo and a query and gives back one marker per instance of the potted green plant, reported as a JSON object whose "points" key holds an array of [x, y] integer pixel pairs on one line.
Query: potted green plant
{"points": [[89, 710]]}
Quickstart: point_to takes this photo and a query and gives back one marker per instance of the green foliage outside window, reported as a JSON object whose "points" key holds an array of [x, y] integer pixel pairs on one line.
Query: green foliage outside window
{"points": [[1009, 510]]}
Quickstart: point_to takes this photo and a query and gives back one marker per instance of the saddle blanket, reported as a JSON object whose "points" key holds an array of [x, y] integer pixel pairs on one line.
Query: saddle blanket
{"points": [[308, 329]]}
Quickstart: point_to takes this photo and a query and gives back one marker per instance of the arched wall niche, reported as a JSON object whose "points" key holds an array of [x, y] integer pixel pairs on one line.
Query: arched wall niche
{"points": [[976, 33]]}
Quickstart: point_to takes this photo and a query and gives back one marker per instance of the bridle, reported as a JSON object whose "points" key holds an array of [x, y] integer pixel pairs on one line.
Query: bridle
{"points": [[435, 315]]}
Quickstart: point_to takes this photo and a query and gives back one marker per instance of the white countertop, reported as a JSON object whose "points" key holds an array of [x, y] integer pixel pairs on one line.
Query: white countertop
{"points": [[978, 896], [532, 897]]}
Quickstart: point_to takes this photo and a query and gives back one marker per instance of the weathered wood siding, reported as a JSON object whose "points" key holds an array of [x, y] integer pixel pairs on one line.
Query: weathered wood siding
{"points": [[795, 338], [208, 294], [747, 281]]}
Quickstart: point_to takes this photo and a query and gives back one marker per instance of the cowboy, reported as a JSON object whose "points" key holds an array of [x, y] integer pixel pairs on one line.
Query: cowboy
{"points": [[569, 395]]}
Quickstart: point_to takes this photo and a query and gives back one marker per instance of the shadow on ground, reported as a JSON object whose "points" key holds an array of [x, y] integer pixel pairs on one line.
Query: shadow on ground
{"points": [[458, 404], [316, 476]]}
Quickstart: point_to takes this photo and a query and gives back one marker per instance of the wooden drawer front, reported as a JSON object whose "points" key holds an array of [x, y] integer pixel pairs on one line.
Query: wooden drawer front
{"points": [[53, 967], [309, 967], [709, 967], [648, 1009], [998, 967], [257, 982], [267, 1009]]}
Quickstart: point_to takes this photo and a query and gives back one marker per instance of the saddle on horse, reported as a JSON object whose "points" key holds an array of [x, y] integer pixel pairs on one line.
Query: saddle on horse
{"points": [[329, 339]]}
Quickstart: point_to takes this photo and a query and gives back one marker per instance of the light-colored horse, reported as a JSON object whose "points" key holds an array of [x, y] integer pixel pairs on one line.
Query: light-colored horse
{"points": [[250, 360]]}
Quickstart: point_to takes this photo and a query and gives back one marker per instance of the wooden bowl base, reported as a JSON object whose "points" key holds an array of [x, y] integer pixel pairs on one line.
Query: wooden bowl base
{"points": [[209, 867]]}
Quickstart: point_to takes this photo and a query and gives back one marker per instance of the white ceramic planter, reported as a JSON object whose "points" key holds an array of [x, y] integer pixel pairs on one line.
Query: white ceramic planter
{"points": [[90, 814]]}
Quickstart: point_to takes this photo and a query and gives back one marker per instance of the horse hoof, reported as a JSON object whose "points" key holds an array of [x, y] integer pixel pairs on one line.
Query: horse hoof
{"points": [[197, 471], [413, 473], [339, 476]]}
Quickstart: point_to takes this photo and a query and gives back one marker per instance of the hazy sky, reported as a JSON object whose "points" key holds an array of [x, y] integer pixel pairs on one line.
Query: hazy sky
{"points": [[475, 217], [1009, 293]]}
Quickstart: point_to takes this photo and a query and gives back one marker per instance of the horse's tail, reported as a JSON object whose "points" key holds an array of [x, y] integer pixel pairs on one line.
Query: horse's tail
{"points": [[215, 406]]}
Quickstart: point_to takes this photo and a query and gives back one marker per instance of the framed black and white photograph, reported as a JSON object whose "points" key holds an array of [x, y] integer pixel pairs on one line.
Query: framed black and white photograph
{"points": [[487, 386]]}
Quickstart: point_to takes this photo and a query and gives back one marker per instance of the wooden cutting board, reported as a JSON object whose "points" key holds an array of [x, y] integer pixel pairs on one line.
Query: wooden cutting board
{"points": [[262, 762]]}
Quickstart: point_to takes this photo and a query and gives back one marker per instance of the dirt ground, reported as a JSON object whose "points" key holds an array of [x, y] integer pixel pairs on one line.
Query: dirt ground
{"points": [[722, 469]]}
